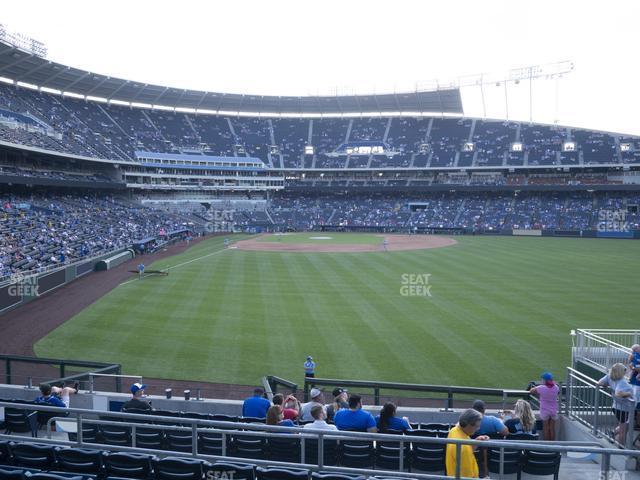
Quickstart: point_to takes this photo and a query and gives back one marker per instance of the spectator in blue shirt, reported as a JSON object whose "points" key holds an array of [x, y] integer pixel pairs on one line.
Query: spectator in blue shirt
{"points": [[48, 396], [355, 419], [490, 425], [256, 406], [387, 420]]}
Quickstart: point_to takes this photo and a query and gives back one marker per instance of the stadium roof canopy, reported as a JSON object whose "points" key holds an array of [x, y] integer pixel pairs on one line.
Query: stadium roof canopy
{"points": [[21, 66]]}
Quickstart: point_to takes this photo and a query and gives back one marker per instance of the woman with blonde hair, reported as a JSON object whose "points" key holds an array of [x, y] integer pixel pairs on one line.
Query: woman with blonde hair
{"points": [[622, 395], [522, 420]]}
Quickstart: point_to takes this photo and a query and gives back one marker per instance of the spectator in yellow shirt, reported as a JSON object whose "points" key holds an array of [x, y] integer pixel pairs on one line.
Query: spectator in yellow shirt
{"points": [[467, 425]]}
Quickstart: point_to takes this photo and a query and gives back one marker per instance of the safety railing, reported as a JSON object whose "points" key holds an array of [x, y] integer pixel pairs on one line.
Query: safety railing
{"points": [[589, 404], [450, 391], [29, 370], [228, 430], [276, 382], [602, 348]]}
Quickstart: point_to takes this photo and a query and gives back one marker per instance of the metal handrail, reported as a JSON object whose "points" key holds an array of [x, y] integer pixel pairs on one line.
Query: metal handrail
{"points": [[416, 387], [61, 364], [232, 428], [274, 381]]}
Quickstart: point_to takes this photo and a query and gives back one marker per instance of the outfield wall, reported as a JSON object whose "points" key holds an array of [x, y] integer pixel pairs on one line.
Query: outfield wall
{"points": [[517, 232]]}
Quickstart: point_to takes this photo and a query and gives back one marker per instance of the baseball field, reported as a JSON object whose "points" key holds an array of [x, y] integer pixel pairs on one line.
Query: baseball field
{"points": [[478, 311]]}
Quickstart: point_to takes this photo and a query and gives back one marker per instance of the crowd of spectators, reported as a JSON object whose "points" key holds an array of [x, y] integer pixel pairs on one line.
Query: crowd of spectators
{"points": [[471, 211], [91, 129], [40, 231]]}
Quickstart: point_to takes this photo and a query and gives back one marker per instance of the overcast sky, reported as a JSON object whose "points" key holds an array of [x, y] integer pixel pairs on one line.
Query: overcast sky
{"points": [[302, 47]]}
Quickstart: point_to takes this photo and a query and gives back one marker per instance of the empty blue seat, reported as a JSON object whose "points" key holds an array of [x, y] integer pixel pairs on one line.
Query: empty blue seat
{"points": [[173, 468], [79, 460], [33, 455], [130, 465], [281, 474]]}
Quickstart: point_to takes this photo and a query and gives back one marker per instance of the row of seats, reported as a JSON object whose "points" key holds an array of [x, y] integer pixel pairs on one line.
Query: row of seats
{"points": [[26, 461], [22, 461]]}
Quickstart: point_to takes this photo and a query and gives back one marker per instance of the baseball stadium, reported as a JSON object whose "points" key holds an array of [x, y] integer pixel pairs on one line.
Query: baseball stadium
{"points": [[198, 284]]}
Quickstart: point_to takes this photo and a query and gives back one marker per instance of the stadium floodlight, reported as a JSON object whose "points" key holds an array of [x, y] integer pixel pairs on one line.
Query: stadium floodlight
{"points": [[569, 146], [516, 147]]}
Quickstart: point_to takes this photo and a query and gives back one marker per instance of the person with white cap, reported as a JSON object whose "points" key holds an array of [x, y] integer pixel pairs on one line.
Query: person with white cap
{"points": [[316, 399], [309, 367], [136, 403]]}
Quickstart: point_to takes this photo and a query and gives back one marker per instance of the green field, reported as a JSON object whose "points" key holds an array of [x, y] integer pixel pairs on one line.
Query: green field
{"points": [[500, 312], [320, 238]]}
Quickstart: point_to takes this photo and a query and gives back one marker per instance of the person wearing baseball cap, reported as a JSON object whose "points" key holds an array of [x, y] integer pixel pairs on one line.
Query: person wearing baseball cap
{"points": [[340, 397], [316, 399], [136, 402], [548, 393]]}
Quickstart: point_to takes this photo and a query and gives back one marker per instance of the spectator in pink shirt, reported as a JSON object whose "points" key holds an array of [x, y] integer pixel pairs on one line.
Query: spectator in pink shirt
{"points": [[548, 393]]}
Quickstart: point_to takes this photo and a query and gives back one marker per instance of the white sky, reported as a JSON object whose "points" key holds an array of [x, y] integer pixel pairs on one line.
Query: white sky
{"points": [[301, 47]]}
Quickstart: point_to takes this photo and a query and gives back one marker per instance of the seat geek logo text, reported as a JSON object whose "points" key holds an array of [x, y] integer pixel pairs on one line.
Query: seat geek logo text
{"points": [[415, 285]]}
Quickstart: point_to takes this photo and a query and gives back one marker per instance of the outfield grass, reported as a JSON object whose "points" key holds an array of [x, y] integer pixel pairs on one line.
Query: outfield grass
{"points": [[500, 312], [323, 238]]}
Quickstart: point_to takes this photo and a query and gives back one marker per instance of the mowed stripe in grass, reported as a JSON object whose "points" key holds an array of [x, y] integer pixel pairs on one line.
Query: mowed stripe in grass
{"points": [[500, 312]]}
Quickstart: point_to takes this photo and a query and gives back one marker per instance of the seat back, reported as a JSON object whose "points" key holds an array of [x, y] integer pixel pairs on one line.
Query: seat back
{"points": [[357, 454], [330, 449], [119, 435], [52, 476], [541, 463], [80, 460], [7, 473], [335, 476], [210, 443], [281, 474], [249, 446], [33, 455], [235, 471], [224, 418], [428, 457], [90, 434], [152, 438], [283, 449], [130, 465], [512, 459], [19, 421], [179, 441], [172, 468], [5, 455]]}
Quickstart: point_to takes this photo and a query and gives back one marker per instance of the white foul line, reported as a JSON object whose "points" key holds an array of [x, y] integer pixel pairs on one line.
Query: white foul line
{"points": [[180, 264]]}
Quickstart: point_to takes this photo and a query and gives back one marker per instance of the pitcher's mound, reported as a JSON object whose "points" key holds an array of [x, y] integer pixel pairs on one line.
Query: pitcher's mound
{"points": [[394, 243]]}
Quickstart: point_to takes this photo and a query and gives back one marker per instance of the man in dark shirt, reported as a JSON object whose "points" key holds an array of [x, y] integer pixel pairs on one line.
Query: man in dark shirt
{"points": [[137, 390]]}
